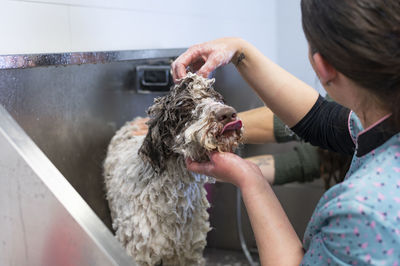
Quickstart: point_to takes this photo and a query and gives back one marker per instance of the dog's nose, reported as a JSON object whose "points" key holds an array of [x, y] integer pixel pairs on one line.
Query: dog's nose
{"points": [[226, 113]]}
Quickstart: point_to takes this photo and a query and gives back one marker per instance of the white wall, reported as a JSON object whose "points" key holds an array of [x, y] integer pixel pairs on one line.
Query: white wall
{"points": [[292, 47], [51, 26]]}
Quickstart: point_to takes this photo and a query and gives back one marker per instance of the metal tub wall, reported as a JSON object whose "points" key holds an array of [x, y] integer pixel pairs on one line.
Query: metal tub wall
{"points": [[44, 221]]}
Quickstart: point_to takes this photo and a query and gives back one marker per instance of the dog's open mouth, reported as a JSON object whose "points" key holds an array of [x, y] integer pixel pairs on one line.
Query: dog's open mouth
{"points": [[229, 136], [224, 138], [231, 127]]}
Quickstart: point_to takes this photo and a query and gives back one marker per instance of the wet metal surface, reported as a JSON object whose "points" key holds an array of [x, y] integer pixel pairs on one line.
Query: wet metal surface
{"points": [[40, 60], [43, 220]]}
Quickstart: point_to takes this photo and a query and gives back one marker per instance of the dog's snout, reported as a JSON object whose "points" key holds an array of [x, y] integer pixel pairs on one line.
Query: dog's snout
{"points": [[226, 113]]}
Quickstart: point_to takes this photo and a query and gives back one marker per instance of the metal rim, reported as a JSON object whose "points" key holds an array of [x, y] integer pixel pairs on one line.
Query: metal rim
{"points": [[79, 58]]}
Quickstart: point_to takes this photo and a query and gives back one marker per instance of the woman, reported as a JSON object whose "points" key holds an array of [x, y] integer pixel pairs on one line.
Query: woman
{"points": [[354, 50]]}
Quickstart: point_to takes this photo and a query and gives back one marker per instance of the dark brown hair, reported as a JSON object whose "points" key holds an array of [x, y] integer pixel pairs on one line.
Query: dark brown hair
{"points": [[333, 167], [361, 39]]}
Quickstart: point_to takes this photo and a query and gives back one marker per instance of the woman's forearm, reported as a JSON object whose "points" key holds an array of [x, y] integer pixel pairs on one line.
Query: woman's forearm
{"points": [[267, 166], [288, 97], [277, 241], [258, 125]]}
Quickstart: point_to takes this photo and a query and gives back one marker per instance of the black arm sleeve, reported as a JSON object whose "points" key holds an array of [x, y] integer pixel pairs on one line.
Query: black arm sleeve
{"points": [[326, 126]]}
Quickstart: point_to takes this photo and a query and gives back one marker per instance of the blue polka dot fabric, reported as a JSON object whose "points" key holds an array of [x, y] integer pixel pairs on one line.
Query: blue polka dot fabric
{"points": [[357, 222]]}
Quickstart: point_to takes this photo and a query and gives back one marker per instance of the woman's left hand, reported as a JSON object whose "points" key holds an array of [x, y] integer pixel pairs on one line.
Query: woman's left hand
{"points": [[227, 167]]}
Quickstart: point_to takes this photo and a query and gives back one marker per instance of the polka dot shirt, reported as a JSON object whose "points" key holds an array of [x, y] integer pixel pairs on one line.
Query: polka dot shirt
{"points": [[357, 222]]}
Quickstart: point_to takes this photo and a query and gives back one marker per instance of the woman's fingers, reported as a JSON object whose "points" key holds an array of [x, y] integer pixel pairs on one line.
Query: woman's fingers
{"points": [[184, 60], [195, 66], [140, 127], [210, 65], [139, 132], [200, 168], [205, 57], [225, 167]]}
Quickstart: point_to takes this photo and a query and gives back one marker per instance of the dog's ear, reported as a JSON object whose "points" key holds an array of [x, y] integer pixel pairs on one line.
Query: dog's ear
{"points": [[153, 149]]}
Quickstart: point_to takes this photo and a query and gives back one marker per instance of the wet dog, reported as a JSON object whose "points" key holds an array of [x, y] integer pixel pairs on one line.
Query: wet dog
{"points": [[158, 207]]}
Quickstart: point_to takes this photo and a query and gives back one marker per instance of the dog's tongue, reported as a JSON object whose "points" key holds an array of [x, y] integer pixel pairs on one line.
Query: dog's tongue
{"points": [[232, 126]]}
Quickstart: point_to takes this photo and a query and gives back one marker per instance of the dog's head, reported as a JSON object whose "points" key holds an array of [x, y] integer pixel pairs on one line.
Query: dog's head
{"points": [[191, 120]]}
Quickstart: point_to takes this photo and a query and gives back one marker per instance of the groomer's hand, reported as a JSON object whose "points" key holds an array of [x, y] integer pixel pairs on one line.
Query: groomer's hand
{"points": [[228, 167], [139, 126], [206, 57]]}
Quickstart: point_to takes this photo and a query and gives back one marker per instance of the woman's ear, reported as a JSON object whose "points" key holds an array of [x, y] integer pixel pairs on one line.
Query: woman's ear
{"points": [[325, 71]]}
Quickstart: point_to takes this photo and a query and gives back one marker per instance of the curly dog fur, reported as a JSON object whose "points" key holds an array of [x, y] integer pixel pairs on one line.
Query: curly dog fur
{"points": [[159, 208]]}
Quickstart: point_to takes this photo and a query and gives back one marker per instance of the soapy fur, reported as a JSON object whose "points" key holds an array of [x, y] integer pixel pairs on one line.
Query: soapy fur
{"points": [[159, 208]]}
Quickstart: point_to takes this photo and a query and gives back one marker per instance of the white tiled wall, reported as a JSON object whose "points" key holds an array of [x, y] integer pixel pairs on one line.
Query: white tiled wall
{"points": [[49, 26]]}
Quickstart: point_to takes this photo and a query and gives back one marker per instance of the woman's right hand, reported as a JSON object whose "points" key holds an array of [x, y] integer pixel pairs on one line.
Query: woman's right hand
{"points": [[206, 57], [230, 168], [139, 126]]}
